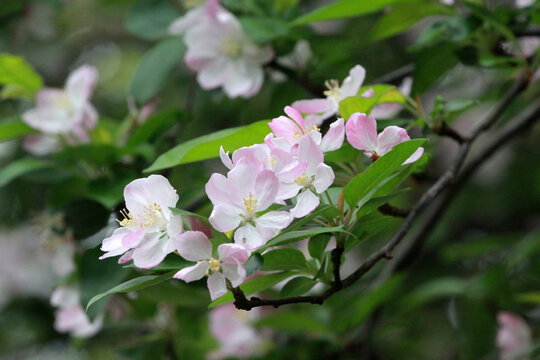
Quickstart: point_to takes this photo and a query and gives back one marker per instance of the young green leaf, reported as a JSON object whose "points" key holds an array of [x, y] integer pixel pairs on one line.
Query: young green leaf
{"points": [[284, 259], [19, 76], [297, 286], [20, 167], [13, 129], [293, 236]]}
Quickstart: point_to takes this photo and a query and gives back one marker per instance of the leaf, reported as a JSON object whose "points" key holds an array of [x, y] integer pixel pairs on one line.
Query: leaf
{"points": [[177, 293], [155, 67], [345, 9], [431, 64], [19, 75], [253, 264], [297, 286], [263, 29], [207, 146], [252, 286], [13, 129], [369, 228], [293, 322], [284, 259], [171, 262], [155, 125], [403, 16], [320, 211], [364, 185], [358, 103], [292, 236], [189, 213], [433, 290], [138, 283], [317, 244], [20, 167], [150, 20], [529, 298], [486, 15]]}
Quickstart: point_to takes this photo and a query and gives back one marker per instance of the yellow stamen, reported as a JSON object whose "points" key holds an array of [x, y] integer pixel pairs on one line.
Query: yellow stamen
{"points": [[214, 265], [334, 91], [250, 204], [231, 47], [302, 180]]}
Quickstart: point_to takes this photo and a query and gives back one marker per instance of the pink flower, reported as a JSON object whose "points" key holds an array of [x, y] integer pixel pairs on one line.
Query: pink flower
{"points": [[514, 336], [195, 246], [260, 157], [238, 200], [235, 333], [70, 317], [315, 180], [195, 16], [294, 127], [362, 134], [67, 111], [221, 53], [322, 109], [149, 227]]}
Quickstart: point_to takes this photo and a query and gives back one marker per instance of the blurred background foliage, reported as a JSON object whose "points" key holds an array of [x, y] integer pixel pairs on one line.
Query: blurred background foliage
{"points": [[482, 258]]}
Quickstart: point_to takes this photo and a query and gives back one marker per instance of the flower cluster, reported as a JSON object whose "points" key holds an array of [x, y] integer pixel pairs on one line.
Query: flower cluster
{"points": [[220, 52], [266, 186], [63, 115]]}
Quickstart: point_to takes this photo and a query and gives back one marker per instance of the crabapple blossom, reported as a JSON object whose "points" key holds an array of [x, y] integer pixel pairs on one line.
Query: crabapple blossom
{"points": [[64, 112], [238, 200], [235, 333], [513, 337], [294, 127], [221, 53], [148, 229], [195, 246], [362, 134], [70, 316], [262, 157], [197, 15], [315, 180], [318, 110]]}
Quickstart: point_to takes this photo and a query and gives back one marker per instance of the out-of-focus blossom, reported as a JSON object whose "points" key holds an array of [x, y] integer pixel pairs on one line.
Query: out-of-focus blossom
{"points": [[220, 52], [195, 246], [390, 110], [66, 113], [524, 3], [149, 227], [315, 180], [294, 127], [514, 337], [70, 316], [236, 335], [41, 145], [318, 110], [362, 134], [298, 58], [238, 200], [140, 115]]}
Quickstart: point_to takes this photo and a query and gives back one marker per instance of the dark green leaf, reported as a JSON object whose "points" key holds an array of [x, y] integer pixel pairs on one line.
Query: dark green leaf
{"points": [[13, 129], [283, 259], [292, 236], [150, 20], [317, 244], [20, 167], [253, 264], [263, 29], [155, 125], [293, 322], [431, 64], [297, 286]]}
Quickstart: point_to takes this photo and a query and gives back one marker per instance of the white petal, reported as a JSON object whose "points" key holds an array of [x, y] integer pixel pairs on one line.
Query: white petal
{"points": [[216, 285], [306, 202], [324, 177], [225, 217], [194, 272], [81, 82], [249, 237], [194, 246], [152, 251], [333, 139], [352, 83], [272, 222]]}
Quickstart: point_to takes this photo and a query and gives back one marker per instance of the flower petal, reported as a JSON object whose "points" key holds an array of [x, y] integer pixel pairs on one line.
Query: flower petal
{"points": [[312, 106], [216, 285], [232, 252], [324, 177], [194, 246], [352, 83], [248, 237], [362, 132], [390, 137], [192, 273], [81, 82], [225, 217], [306, 202], [235, 272], [152, 251], [333, 139], [415, 156], [269, 224]]}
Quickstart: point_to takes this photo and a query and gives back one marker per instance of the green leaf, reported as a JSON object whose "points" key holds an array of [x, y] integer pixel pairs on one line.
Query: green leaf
{"points": [[364, 185], [317, 244], [292, 236], [171, 262], [403, 16], [358, 103], [13, 129], [138, 283], [486, 15], [263, 29], [150, 20], [320, 211], [431, 64], [345, 9], [284, 259], [177, 293], [207, 146], [19, 75], [293, 322], [434, 290], [20, 167], [155, 125], [252, 286], [253, 264], [155, 68], [529, 297], [370, 228], [297, 286]]}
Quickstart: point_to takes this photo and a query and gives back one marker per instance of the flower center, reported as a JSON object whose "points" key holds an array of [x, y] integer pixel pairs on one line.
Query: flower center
{"points": [[334, 91], [153, 215], [250, 204], [63, 101], [303, 180], [214, 265], [231, 47]]}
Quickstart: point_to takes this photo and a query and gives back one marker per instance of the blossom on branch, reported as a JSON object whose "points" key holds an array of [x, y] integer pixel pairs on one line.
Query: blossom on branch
{"points": [[362, 135], [514, 337], [195, 246], [149, 227]]}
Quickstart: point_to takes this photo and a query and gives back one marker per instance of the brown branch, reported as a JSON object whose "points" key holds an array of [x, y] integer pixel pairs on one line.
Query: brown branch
{"points": [[390, 210], [446, 130], [445, 181]]}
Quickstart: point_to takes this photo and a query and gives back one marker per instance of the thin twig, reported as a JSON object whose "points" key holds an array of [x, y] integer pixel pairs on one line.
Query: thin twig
{"points": [[388, 209]]}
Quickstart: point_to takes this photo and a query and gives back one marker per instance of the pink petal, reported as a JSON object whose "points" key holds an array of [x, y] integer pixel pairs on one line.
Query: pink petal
{"points": [[390, 137], [324, 177], [266, 188], [81, 82], [295, 115], [152, 251], [306, 202], [415, 156], [353, 82], [225, 217], [333, 139], [132, 239], [49, 120], [233, 252], [48, 96], [175, 226], [127, 257], [194, 246], [362, 132], [217, 189], [310, 152], [235, 272], [283, 127], [225, 159], [192, 273], [216, 285], [312, 106]]}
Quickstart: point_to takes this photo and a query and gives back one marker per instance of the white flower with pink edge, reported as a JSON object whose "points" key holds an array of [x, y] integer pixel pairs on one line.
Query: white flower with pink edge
{"points": [[514, 337], [195, 246], [149, 227]]}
